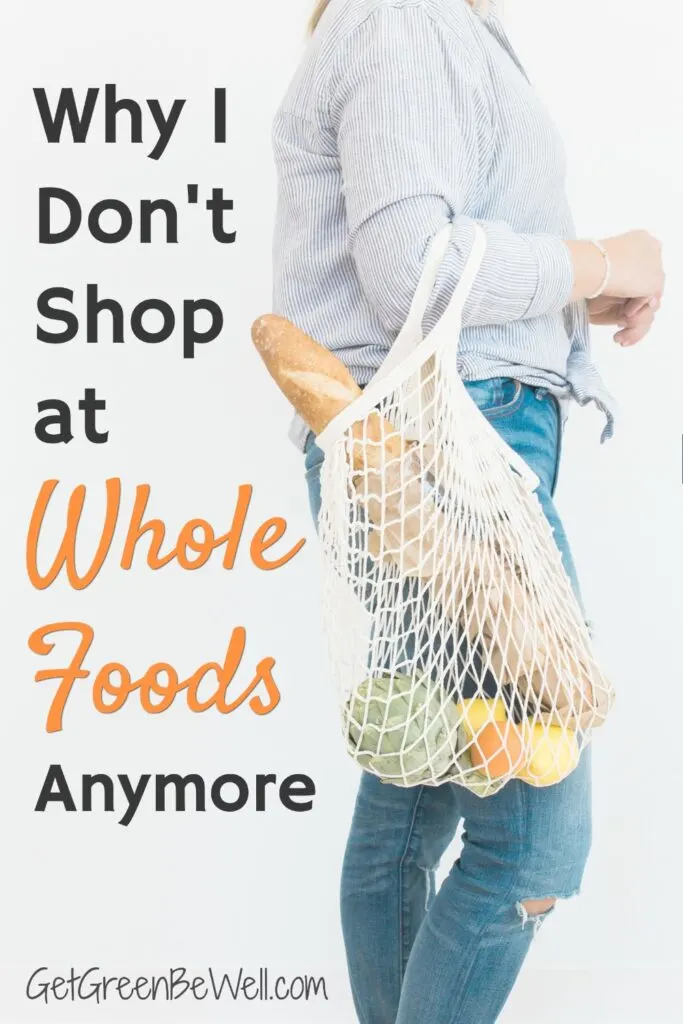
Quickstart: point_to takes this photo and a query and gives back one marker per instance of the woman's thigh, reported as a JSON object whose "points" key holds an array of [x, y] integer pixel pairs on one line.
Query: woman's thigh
{"points": [[392, 824], [527, 843]]}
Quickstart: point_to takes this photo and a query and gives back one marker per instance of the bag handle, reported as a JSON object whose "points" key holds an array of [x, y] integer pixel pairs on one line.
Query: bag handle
{"points": [[409, 349], [412, 329], [406, 350]]}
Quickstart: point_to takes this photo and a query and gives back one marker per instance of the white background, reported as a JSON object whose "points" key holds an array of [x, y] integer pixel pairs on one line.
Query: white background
{"points": [[248, 889]]}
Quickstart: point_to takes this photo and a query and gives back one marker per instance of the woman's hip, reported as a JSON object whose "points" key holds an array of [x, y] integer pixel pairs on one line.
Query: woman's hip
{"points": [[528, 419]]}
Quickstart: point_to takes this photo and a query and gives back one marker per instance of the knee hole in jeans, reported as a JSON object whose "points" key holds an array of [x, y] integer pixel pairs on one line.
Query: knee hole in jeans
{"points": [[535, 911], [533, 907]]}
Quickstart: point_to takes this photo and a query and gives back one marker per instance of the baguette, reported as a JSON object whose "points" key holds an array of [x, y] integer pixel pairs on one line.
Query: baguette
{"points": [[316, 383], [319, 387]]}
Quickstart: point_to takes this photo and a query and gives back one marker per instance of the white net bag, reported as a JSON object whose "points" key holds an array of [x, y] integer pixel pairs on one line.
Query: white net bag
{"points": [[459, 648]]}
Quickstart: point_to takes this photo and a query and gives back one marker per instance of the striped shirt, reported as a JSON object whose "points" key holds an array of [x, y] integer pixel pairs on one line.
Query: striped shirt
{"points": [[405, 115]]}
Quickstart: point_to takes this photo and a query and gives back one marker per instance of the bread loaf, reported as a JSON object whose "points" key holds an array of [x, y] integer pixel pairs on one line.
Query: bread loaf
{"points": [[316, 383], [319, 387]]}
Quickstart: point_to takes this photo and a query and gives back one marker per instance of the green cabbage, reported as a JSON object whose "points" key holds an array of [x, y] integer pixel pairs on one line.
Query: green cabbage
{"points": [[402, 730]]}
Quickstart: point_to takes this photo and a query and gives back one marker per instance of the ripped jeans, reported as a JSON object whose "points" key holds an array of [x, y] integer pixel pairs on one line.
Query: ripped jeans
{"points": [[421, 956]]}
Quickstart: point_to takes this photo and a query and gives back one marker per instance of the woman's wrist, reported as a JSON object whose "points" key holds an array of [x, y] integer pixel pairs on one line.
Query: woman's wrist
{"points": [[590, 269], [604, 284]]}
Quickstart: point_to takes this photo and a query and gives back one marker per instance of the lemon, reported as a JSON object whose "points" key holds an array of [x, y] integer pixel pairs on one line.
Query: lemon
{"points": [[553, 754], [476, 712]]}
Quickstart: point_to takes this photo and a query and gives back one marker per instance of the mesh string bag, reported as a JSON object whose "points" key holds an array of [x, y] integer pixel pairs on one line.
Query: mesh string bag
{"points": [[458, 646]]}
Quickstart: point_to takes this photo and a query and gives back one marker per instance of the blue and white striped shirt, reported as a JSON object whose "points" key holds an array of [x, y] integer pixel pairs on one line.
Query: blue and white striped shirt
{"points": [[402, 116]]}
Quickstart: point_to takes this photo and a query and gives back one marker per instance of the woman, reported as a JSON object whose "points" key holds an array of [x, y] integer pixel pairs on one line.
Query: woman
{"points": [[406, 115]]}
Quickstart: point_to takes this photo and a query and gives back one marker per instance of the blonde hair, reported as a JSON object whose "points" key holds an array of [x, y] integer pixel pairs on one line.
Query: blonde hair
{"points": [[317, 14], [322, 4]]}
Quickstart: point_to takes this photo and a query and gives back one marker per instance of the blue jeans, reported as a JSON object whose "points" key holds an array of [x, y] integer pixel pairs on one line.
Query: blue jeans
{"points": [[418, 956]]}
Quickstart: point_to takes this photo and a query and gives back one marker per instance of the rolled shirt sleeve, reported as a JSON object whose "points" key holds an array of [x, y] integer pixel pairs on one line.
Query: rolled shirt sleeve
{"points": [[412, 158]]}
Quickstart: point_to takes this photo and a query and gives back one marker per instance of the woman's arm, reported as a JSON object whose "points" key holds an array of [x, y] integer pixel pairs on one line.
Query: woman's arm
{"points": [[407, 125], [411, 128]]}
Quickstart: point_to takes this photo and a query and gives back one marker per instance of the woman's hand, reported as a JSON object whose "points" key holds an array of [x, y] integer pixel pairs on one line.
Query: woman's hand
{"points": [[636, 269], [634, 316]]}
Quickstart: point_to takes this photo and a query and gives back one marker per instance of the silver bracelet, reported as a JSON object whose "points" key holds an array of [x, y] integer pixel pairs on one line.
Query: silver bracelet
{"points": [[608, 269]]}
